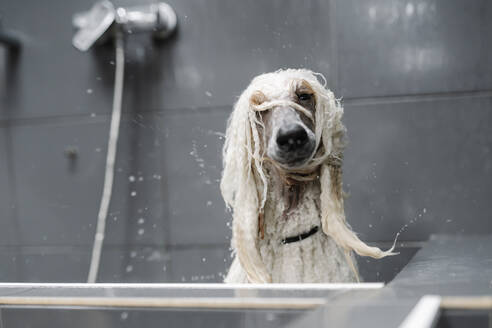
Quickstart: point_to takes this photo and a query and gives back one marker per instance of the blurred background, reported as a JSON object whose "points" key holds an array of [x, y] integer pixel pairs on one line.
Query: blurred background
{"points": [[416, 82]]}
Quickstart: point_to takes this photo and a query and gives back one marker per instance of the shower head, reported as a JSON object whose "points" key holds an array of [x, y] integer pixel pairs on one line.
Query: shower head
{"points": [[103, 20]]}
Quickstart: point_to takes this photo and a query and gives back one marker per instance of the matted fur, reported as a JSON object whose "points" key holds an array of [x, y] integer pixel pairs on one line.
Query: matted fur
{"points": [[245, 182]]}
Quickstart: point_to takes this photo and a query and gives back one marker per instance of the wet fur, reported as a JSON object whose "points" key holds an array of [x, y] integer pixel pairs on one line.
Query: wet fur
{"points": [[272, 200]]}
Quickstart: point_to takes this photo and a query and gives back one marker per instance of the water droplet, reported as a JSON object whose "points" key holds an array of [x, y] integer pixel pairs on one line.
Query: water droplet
{"points": [[141, 221], [133, 193], [209, 203], [208, 94], [124, 315], [131, 178], [89, 91], [129, 268], [204, 259], [133, 254], [140, 179], [93, 114], [141, 231]]}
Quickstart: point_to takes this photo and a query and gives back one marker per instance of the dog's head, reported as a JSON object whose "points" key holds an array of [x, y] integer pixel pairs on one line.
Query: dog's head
{"points": [[288, 122], [293, 111], [291, 120]]}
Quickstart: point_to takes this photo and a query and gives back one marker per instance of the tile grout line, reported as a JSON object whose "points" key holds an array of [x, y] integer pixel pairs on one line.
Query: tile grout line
{"points": [[102, 118], [439, 96]]}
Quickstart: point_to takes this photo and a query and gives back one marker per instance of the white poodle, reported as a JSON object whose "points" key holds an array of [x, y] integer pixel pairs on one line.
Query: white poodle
{"points": [[282, 178]]}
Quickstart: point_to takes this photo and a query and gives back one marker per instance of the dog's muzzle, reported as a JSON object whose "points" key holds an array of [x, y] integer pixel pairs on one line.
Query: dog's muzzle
{"points": [[294, 144]]}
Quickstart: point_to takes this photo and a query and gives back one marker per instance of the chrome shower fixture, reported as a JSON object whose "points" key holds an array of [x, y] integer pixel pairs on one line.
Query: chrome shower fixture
{"points": [[103, 20]]}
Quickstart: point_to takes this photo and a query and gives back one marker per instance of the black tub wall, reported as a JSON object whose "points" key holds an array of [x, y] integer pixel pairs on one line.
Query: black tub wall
{"points": [[416, 82]]}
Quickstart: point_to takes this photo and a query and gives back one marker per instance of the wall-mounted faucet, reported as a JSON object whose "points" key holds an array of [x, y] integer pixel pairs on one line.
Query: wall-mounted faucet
{"points": [[103, 19]]}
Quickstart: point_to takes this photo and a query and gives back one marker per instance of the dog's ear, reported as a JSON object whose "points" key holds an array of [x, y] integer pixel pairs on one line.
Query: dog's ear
{"points": [[333, 215], [332, 208], [240, 188]]}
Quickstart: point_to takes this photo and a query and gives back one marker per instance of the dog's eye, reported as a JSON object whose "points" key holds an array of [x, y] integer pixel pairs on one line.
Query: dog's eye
{"points": [[304, 96]]}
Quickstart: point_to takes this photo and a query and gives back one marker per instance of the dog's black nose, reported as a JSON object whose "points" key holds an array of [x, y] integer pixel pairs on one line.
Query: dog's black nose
{"points": [[291, 137]]}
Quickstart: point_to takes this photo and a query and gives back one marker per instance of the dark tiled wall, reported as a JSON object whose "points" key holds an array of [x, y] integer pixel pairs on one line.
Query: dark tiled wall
{"points": [[415, 77], [413, 47]]}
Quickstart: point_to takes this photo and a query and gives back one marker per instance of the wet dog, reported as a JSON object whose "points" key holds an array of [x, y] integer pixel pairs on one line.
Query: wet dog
{"points": [[283, 180]]}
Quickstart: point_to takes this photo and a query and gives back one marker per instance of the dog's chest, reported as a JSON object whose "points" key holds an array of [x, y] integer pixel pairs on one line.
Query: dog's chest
{"points": [[316, 258], [281, 221]]}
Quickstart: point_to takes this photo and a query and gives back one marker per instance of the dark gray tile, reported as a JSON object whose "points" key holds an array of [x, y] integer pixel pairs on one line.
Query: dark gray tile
{"points": [[119, 264], [44, 264], [137, 264], [191, 164], [167, 177], [52, 77], [199, 264], [411, 47], [217, 50], [7, 223], [12, 265], [419, 167], [138, 210], [3, 66], [58, 195]]}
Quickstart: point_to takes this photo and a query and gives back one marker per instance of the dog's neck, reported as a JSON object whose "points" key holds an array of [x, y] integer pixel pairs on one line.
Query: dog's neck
{"points": [[291, 208]]}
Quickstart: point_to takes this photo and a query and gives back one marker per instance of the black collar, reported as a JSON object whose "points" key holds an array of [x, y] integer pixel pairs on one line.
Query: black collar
{"points": [[300, 237]]}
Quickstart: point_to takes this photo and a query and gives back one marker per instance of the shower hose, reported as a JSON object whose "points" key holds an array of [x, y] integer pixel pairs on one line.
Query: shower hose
{"points": [[110, 158]]}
